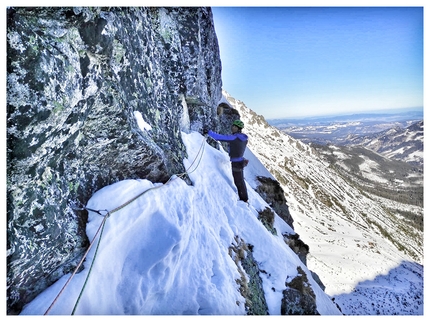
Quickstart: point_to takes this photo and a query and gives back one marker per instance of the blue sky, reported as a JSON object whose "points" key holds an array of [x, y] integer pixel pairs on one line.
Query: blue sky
{"points": [[309, 61]]}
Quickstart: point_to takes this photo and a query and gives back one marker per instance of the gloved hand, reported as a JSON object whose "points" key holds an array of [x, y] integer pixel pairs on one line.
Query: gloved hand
{"points": [[205, 130]]}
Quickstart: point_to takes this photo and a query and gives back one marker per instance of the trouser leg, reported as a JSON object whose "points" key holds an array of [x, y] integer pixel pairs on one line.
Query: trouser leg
{"points": [[239, 182]]}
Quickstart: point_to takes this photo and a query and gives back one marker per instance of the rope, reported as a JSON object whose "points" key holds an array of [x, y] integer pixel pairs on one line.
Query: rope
{"points": [[77, 267], [108, 213], [91, 267]]}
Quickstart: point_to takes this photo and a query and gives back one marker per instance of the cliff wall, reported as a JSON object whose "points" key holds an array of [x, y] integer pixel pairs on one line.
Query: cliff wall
{"points": [[80, 84]]}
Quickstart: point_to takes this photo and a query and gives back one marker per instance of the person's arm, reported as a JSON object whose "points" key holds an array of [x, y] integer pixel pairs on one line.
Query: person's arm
{"points": [[221, 137]]}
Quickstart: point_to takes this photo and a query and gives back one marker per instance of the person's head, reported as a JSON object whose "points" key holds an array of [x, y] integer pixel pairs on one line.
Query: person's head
{"points": [[237, 126]]}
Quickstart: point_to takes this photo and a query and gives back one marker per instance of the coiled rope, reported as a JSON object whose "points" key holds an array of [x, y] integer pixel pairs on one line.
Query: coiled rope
{"points": [[199, 155]]}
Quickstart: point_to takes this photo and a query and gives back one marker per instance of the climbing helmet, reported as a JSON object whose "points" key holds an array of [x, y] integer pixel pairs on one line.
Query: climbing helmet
{"points": [[239, 124]]}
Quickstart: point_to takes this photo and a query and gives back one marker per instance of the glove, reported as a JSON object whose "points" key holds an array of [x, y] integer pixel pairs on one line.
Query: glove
{"points": [[205, 130]]}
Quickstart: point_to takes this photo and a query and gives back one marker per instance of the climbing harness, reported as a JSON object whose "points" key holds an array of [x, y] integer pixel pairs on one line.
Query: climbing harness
{"points": [[107, 215]]}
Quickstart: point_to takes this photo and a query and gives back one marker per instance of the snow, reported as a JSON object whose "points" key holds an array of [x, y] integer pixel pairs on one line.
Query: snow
{"points": [[141, 122], [368, 169], [166, 252], [340, 155]]}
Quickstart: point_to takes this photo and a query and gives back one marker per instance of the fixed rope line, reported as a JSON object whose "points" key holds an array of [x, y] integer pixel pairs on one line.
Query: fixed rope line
{"points": [[108, 213], [91, 267], [77, 267]]}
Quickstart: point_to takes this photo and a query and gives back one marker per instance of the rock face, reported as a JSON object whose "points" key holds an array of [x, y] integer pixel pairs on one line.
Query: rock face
{"points": [[272, 192], [250, 283], [94, 96], [298, 297]]}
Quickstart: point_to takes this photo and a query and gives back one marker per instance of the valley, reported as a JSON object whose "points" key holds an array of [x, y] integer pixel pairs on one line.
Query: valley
{"points": [[337, 129], [380, 154]]}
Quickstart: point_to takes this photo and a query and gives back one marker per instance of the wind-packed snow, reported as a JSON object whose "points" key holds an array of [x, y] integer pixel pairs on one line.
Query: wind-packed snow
{"points": [[167, 252]]}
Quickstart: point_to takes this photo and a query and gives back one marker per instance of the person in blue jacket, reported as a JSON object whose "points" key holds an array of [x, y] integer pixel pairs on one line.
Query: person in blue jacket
{"points": [[237, 145]]}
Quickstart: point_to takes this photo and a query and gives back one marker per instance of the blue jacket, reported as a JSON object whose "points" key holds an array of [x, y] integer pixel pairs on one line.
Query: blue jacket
{"points": [[237, 143]]}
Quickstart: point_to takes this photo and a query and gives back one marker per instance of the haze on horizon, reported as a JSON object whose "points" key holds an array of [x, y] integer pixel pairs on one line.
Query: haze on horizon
{"points": [[415, 111], [290, 62]]}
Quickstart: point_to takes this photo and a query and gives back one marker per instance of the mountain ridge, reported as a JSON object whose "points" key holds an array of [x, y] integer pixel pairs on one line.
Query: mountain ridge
{"points": [[398, 143], [337, 129]]}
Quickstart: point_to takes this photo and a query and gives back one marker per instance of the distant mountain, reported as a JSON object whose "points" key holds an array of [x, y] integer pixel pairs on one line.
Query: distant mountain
{"points": [[403, 144], [398, 136], [336, 129], [400, 115]]}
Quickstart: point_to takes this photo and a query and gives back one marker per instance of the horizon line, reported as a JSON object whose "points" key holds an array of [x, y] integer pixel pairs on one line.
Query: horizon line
{"points": [[381, 111]]}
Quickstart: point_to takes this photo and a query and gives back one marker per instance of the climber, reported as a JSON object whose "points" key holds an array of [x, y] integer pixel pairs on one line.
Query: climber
{"points": [[237, 145]]}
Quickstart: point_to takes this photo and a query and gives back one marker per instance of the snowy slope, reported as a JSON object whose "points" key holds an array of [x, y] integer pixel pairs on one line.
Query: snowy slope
{"points": [[368, 260], [167, 252]]}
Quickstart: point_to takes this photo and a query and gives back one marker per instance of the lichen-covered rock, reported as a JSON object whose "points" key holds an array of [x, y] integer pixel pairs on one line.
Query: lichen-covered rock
{"points": [[94, 96], [299, 298], [250, 284], [297, 246], [267, 218], [271, 191]]}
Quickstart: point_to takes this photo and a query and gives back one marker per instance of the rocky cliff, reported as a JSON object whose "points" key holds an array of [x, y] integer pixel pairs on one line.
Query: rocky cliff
{"points": [[95, 96], [79, 80]]}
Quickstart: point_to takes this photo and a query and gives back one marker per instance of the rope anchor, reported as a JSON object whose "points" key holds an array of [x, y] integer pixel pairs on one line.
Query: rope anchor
{"points": [[89, 209]]}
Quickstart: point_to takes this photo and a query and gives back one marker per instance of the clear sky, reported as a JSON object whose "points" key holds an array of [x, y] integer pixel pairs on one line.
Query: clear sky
{"points": [[308, 61]]}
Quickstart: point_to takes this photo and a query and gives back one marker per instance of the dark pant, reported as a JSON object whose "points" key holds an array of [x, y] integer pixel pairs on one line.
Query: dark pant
{"points": [[239, 181]]}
